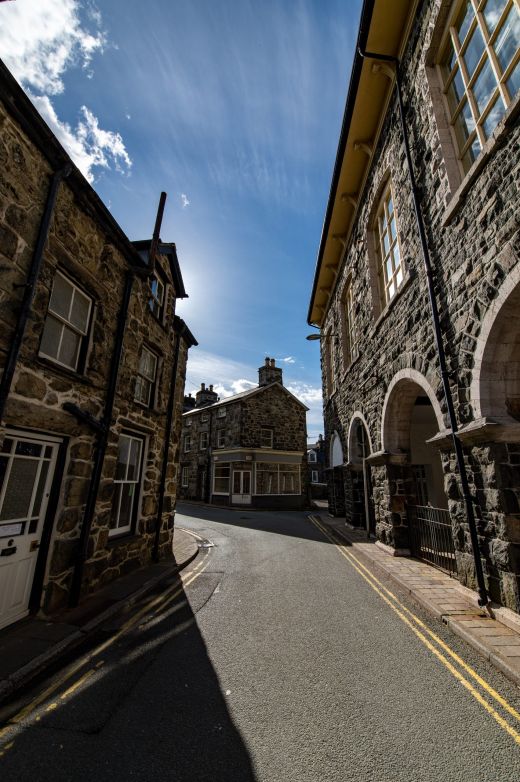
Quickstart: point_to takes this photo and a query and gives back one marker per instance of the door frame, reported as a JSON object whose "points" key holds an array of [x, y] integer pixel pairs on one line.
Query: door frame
{"points": [[52, 505], [249, 495]]}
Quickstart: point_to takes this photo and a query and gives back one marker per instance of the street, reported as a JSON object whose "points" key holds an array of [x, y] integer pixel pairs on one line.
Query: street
{"points": [[278, 660]]}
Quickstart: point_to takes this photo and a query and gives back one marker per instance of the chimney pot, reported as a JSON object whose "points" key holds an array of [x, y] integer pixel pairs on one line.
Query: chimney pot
{"points": [[202, 386]]}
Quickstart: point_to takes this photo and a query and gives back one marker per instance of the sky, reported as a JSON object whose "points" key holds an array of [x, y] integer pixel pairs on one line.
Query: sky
{"points": [[234, 108]]}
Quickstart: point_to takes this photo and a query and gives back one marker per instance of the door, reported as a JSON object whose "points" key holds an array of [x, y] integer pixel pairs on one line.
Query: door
{"points": [[241, 487], [26, 471]]}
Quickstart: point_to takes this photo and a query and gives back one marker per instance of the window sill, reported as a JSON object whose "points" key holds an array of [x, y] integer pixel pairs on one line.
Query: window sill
{"points": [[123, 537], [404, 285], [506, 124], [71, 374]]}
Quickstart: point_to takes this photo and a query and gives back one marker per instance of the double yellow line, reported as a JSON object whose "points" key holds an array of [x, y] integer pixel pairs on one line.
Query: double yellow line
{"points": [[157, 603], [432, 641]]}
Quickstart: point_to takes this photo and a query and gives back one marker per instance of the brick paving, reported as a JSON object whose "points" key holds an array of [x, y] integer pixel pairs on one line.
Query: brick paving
{"points": [[494, 633]]}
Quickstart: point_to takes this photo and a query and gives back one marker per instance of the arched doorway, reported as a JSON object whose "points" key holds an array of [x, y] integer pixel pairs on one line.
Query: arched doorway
{"points": [[359, 503], [411, 418], [336, 477]]}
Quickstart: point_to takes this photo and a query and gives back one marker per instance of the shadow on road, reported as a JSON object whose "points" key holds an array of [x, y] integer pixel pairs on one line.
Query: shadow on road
{"points": [[293, 523], [149, 708]]}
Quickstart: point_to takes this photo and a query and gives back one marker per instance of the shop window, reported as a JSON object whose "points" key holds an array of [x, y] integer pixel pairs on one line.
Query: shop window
{"points": [[221, 479]]}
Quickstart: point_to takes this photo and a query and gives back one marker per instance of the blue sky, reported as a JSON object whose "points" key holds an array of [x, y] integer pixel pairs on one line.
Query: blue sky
{"points": [[234, 109]]}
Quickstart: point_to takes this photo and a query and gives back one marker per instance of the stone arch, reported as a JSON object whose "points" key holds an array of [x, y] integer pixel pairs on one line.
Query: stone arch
{"points": [[336, 451], [495, 382], [400, 398], [357, 418]]}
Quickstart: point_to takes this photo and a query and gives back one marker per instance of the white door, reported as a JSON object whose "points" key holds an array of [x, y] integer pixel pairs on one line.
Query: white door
{"points": [[26, 470], [241, 487]]}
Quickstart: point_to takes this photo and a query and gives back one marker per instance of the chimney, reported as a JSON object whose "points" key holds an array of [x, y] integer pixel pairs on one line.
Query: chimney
{"points": [[206, 396], [269, 373], [188, 404]]}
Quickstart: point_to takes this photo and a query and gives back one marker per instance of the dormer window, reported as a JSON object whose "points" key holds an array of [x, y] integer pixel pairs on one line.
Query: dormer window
{"points": [[157, 293]]}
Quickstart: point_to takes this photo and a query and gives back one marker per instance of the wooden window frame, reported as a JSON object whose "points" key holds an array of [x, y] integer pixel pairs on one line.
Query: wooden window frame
{"points": [[266, 430], [115, 531], [66, 324], [470, 143], [389, 284], [203, 436], [156, 304], [143, 381]]}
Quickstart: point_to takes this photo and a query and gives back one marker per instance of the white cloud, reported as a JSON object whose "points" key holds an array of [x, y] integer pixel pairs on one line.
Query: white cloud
{"points": [[289, 360], [88, 145], [39, 42], [185, 200]]}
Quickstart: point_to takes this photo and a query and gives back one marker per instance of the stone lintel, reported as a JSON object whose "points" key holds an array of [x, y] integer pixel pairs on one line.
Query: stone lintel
{"points": [[482, 430], [387, 457]]}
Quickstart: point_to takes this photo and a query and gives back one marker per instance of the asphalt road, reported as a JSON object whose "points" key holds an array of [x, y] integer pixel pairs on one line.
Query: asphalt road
{"points": [[276, 662]]}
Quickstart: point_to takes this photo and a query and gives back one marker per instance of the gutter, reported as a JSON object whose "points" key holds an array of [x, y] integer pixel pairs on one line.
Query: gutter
{"points": [[364, 27]]}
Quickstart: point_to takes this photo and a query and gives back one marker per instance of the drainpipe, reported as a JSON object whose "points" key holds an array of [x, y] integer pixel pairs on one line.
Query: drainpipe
{"points": [[30, 287], [167, 436], [207, 492], [441, 353], [102, 428]]}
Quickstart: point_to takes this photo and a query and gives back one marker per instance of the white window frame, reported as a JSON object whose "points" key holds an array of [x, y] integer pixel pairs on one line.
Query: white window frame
{"points": [[221, 438], [313, 456], [390, 280], [117, 529], [263, 431], [221, 412], [277, 467], [204, 417], [314, 476], [470, 134], [187, 443], [145, 384], [185, 477], [203, 441], [66, 324]]}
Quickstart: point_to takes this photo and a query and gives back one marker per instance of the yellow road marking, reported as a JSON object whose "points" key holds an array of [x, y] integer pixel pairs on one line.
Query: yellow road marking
{"points": [[372, 581], [164, 599]]}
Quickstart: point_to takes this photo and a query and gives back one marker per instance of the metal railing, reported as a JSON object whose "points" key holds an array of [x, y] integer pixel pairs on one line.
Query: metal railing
{"points": [[431, 537]]}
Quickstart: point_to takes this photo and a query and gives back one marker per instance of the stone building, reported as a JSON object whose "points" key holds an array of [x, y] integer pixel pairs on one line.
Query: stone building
{"points": [[417, 289], [316, 469], [93, 359], [247, 449]]}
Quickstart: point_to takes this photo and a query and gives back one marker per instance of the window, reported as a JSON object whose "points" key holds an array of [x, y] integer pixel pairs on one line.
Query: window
{"points": [[221, 479], [390, 269], [64, 337], [277, 478], [187, 443], [204, 418], [185, 477], [189, 422], [266, 438], [221, 413], [203, 442], [156, 300], [350, 347], [146, 376], [312, 456], [314, 476], [479, 66], [221, 438], [126, 483]]}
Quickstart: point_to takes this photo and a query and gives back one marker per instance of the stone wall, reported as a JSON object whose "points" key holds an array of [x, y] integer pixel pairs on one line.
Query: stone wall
{"points": [[472, 227], [92, 254]]}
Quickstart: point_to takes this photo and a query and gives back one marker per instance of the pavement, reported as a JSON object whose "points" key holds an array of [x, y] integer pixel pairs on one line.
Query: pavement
{"points": [[33, 645], [494, 632]]}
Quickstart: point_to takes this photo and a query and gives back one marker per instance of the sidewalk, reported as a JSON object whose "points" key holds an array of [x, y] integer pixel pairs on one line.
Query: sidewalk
{"points": [[30, 646], [495, 633]]}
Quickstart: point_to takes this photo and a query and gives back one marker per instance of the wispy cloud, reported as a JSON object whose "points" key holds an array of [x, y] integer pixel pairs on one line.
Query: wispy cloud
{"points": [[40, 42], [289, 360], [185, 200], [88, 145]]}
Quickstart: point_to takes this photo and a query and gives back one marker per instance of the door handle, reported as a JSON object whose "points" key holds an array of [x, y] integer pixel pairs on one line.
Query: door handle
{"points": [[8, 552], [35, 544]]}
